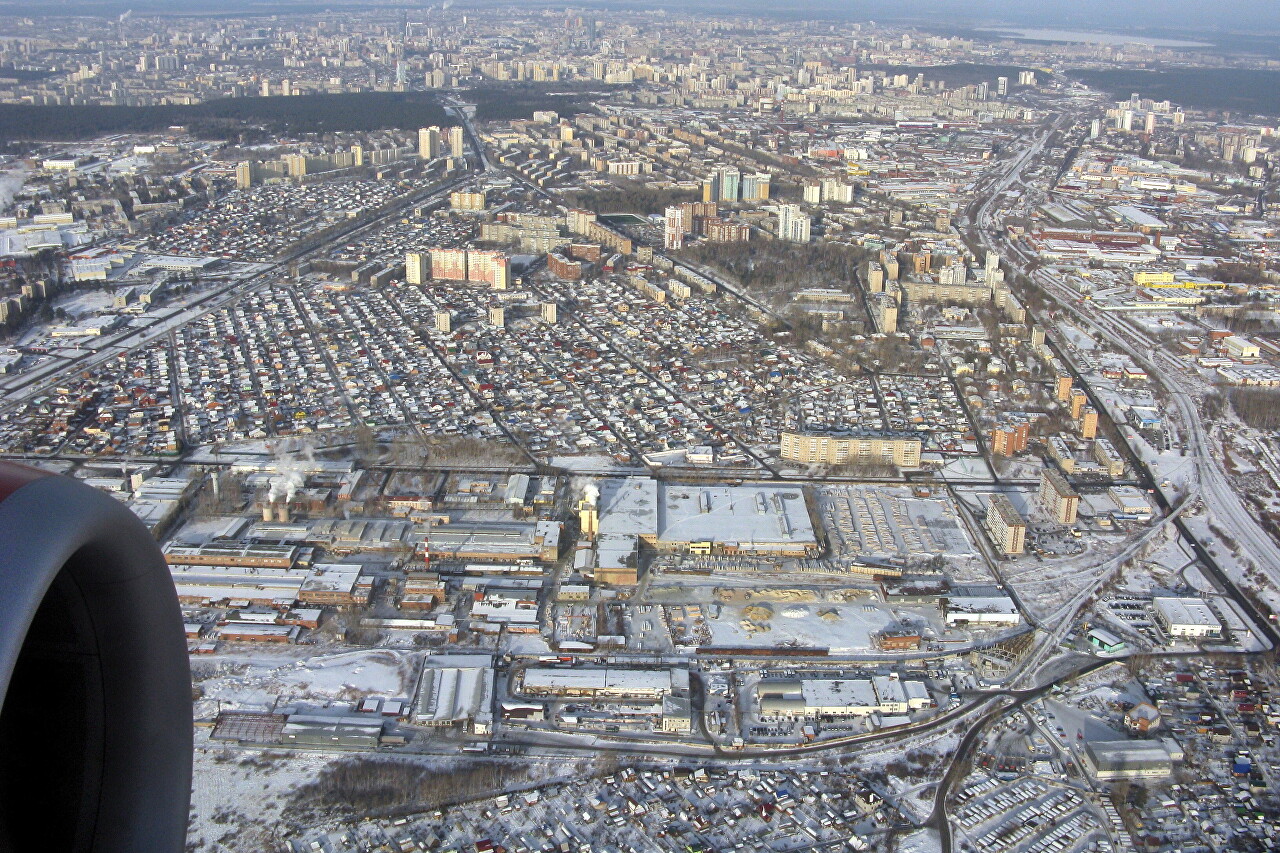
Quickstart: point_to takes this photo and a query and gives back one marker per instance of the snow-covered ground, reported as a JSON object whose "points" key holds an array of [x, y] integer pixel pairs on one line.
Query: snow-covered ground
{"points": [[919, 841], [237, 796], [260, 679]]}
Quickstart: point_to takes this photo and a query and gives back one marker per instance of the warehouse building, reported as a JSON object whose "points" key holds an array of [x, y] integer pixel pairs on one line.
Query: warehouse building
{"points": [[972, 608], [256, 632], [1131, 502], [456, 690], [347, 732], [691, 519], [1128, 759], [842, 698], [1186, 617], [613, 682]]}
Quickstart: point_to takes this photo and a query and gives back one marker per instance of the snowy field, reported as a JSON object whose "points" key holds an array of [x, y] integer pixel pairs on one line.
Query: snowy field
{"points": [[259, 680], [842, 628], [237, 796]]}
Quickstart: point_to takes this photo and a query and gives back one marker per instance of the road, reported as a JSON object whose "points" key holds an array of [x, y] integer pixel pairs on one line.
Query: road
{"points": [[1214, 491]]}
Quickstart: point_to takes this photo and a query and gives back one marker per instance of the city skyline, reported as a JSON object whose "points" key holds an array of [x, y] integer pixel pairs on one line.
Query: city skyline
{"points": [[633, 427]]}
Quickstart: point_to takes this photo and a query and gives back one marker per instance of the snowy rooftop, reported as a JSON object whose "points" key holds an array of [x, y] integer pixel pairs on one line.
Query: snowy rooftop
{"points": [[610, 679], [1186, 611], [746, 515]]}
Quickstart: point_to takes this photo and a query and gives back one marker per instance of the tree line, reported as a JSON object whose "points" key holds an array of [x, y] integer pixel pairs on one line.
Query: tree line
{"points": [[228, 118], [1258, 407]]}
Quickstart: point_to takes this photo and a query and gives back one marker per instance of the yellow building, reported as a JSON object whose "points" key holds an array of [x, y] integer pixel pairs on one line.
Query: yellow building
{"points": [[1063, 387], [1006, 526], [467, 201], [1088, 423], [839, 449], [1057, 497], [1078, 399]]}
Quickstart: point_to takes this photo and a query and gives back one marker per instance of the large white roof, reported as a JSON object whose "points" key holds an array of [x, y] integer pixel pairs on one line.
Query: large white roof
{"points": [[760, 515]]}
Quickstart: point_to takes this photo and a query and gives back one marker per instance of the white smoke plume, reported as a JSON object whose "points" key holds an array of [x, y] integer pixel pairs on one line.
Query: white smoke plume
{"points": [[10, 185], [292, 467]]}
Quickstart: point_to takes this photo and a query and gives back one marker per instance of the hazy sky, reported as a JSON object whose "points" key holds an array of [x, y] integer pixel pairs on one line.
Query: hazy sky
{"points": [[1242, 16]]}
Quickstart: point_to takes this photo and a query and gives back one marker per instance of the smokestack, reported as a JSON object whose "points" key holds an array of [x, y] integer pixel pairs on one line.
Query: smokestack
{"points": [[282, 511], [266, 511]]}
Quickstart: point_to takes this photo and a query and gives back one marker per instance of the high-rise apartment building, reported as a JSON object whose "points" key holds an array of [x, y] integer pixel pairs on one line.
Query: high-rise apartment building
{"points": [[429, 143], [1078, 399], [1010, 438], [724, 184], [417, 267], [1057, 497], [449, 264], [674, 230], [492, 268], [793, 224], [1088, 422], [1064, 386], [1005, 525], [756, 187]]}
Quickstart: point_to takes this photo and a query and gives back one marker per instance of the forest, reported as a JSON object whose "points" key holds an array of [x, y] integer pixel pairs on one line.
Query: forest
{"points": [[227, 117], [1246, 90], [630, 199], [255, 119], [777, 268], [1258, 407]]}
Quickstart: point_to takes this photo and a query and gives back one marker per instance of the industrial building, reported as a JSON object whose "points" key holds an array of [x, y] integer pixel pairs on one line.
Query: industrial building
{"points": [[335, 584], [234, 554], [496, 542], [1186, 617], [213, 584], [848, 697], [456, 690], [600, 682], [1128, 759], [329, 583]]}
